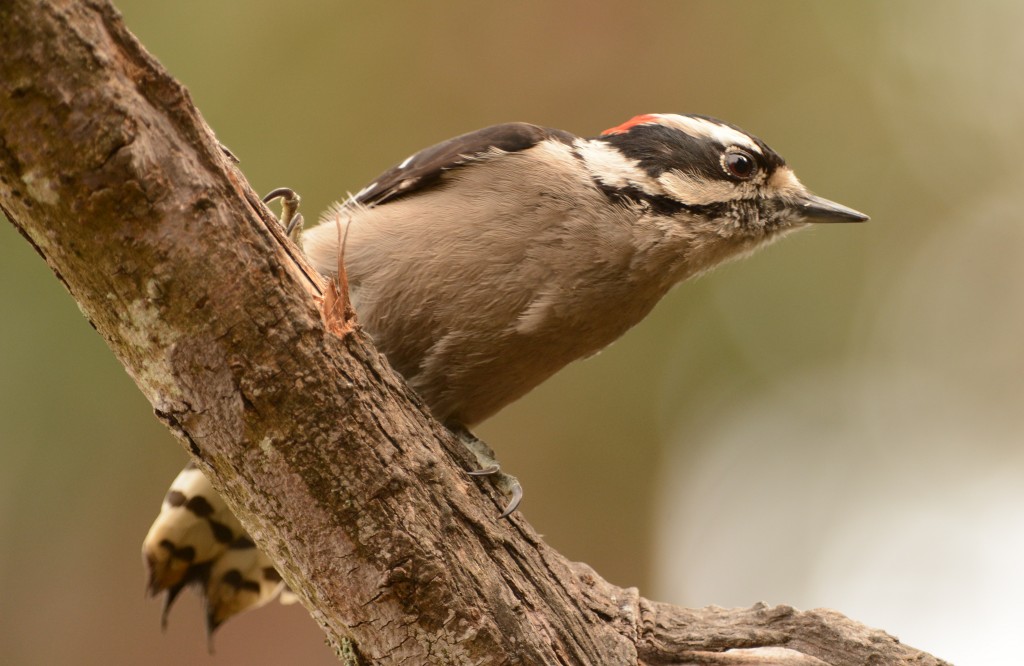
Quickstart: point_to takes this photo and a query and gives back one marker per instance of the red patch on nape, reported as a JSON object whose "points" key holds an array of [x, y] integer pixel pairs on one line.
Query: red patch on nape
{"points": [[631, 123]]}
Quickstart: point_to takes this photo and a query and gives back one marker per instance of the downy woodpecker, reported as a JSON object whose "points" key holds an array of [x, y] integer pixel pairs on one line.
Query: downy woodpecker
{"points": [[483, 265]]}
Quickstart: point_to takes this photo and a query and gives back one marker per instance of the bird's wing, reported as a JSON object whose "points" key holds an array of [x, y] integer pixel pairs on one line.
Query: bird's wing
{"points": [[425, 168]]}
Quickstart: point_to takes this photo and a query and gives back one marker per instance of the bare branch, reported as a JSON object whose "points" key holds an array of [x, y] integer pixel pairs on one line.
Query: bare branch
{"points": [[332, 464]]}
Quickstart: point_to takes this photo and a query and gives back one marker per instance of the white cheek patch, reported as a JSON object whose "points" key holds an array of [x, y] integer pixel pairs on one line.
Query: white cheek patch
{"points": [[695, 190], [610, 166], [700, 128]]}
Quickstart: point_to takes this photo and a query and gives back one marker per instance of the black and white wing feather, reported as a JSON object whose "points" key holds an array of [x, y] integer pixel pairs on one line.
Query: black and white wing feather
{"points": [[426, 168]]}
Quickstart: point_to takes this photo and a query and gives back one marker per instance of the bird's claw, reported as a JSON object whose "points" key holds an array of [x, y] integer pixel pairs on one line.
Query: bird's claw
{"points": [[514, 493], [291, 219], [488, 466], [508, 484]]}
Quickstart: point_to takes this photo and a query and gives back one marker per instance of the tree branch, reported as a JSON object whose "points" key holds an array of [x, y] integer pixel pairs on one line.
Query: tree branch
{"points": [[331, 463]]}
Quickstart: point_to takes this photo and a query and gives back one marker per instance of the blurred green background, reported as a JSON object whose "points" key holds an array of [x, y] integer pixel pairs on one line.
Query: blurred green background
{"points": [[835, 422]]}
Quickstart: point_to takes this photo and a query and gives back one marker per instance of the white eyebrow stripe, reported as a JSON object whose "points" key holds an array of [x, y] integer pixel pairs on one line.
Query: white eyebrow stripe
{"points": [[695, 190], [701, 128], [611, 167]]}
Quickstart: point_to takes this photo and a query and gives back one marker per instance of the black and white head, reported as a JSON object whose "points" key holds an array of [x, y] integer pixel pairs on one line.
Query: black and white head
{"points": [[710, 169]]}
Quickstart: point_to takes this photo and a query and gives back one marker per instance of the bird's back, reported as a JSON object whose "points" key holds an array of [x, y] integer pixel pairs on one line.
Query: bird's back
{"points": [[473, 331]]}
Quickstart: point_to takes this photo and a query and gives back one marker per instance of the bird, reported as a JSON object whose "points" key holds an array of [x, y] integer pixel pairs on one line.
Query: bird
{"points": [[484, 264]]}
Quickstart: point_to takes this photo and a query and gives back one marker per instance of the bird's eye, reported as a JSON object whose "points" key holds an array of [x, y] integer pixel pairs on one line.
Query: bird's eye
{"points": [[739, 164]]}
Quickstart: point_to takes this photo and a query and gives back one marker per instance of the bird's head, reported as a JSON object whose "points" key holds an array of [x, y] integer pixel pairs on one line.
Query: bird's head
{"points": [[727, 187]]}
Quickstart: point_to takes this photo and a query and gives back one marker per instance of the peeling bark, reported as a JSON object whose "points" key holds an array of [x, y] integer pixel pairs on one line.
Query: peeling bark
{"points": [[332, 464]]}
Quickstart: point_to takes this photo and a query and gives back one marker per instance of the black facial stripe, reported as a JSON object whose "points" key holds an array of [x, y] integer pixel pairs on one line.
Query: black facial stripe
{"points": [[770, 160], [712, 211], [660, 204], [658, 148], [632, 195]]}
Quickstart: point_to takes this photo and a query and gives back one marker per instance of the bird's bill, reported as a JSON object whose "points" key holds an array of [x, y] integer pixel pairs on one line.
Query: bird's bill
{"points": [[816, 209]]}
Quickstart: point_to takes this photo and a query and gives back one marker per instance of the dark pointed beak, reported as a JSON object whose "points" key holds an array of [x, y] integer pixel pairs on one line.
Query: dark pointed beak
{"points": [[815, 209]]}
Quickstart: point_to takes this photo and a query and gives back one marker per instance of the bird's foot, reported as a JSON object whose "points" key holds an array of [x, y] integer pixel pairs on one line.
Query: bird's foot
{"points": [[487, 465], [291, 219]]}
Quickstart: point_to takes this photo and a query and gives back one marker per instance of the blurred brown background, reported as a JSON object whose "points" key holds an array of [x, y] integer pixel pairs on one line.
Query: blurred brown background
{"points": [[836, 422]]}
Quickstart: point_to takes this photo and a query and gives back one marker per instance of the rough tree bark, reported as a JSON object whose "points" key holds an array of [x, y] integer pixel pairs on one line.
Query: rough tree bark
{"points": [[331, 463]]}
